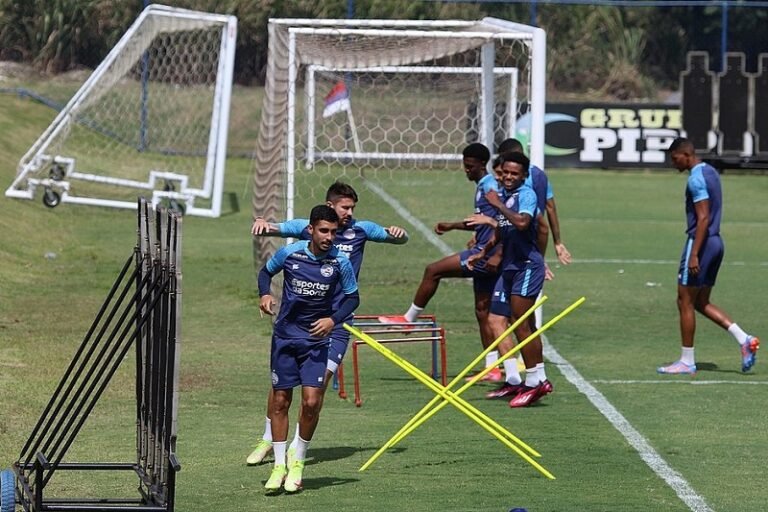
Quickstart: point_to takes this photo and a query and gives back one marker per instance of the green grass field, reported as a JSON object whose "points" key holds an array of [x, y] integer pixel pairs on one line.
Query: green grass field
{"points": [[625, 230]]}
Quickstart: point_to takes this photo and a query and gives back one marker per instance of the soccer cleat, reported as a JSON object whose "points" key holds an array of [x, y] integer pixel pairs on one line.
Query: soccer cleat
{"points": [[293, 480], [396, 321], [505, 390], [261, 450], [677, 368], [290, 456], [494, 375], [749, 353], [528, 395], [276, 478]]}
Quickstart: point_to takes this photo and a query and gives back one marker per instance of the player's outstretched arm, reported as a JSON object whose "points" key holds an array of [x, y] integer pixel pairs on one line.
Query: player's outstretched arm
{"points": [[554, 223], [396, 235], [286, 229], [444, 227]]}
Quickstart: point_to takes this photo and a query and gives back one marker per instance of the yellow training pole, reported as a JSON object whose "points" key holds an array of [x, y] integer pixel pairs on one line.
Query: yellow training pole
{"points": [[404, 431], [503, 358], [412, 425], [459, 403]]}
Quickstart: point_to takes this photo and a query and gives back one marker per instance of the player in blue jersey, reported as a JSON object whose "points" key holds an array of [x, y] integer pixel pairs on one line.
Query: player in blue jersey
{"points": [[701, 259], [312, 271], [350, 240], [523, 269], [484, 274]]}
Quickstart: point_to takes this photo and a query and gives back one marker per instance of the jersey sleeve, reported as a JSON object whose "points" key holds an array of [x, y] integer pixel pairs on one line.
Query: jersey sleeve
{"points": [[292, 228], [698, 187], [348, 281], [527, 200], [550, 192], [489, 183], [275, 263], [375, 232]]}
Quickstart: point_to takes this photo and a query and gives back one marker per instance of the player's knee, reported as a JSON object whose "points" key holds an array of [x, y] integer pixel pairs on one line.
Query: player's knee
{"points": [[311, 406]]}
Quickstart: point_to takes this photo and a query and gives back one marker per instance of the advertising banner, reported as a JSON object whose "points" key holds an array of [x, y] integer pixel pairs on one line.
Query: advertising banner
{"points": [[605, 135]]}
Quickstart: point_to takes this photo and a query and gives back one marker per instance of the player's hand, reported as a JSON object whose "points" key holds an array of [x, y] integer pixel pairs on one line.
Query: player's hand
{"points": [[548, 274], [478, 219], [260, 227], [562, 253], [493, 263], [493, 199], [321, 328], [266, 304], [395, 231], [474, 258], [693, 264], [442, 227]]}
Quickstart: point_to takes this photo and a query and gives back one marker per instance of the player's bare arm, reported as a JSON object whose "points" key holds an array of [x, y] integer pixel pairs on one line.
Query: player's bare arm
{"points": [[262, 228], [267, 304], [444, 227]]}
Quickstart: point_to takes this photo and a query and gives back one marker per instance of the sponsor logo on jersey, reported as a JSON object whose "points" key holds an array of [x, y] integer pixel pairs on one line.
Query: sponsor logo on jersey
{"points": [[309, 288]]}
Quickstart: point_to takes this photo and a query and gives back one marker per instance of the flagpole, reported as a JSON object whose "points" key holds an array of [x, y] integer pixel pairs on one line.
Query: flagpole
{"points": [[353, 128]]}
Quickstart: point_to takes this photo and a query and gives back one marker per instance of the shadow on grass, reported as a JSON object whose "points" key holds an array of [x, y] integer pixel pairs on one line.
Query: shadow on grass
{"points": [[712, 367]]}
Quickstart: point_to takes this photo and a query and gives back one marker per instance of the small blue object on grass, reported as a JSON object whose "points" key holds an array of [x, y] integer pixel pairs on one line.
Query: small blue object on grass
{"points": [[518, 510]]}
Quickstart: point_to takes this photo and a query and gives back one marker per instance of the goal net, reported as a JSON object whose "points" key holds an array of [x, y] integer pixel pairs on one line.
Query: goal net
{"points": [[152, 118], [389, 106]]}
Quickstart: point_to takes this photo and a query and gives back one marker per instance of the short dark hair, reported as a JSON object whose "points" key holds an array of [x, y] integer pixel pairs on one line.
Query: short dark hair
{"points": [[681, 144], [497, 162], [340, 189], [478, 151], [518, 158], [510, 146], [323, 212]]}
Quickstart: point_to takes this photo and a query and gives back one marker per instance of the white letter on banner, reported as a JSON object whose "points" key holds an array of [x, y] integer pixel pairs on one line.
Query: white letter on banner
{"points": [[628, 150], [656, 142], [596, 139]]}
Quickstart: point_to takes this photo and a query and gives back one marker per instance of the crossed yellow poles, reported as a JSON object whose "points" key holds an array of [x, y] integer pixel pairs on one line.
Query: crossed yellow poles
{"points": [[448, 396]]}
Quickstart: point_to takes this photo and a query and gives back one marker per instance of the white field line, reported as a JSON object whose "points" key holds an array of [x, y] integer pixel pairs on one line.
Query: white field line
{"points": [[401, 210], [659, 466], [688, 382], [657, 262], [651, 457]]}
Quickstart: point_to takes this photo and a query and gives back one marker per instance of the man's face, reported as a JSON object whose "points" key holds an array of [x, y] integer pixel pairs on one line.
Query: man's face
{"points": [[512, 175], [474, 168], [681, 159], [322, 235], [497, 173], [344, 208]]}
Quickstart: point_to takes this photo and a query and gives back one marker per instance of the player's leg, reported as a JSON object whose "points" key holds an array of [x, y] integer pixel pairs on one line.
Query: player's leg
{"points": [[450, 266], [264, 446], [709, 262], [499, 323], [313, 361], [285, 376]]}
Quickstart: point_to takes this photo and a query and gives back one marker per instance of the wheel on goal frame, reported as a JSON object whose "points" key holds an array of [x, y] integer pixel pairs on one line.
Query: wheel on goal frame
{"points": [[7, 491], [51, 198]]}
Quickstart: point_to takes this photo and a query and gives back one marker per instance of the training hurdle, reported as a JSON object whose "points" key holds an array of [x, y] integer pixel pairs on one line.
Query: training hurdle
{"points": [[142, 309], [424, 329]]}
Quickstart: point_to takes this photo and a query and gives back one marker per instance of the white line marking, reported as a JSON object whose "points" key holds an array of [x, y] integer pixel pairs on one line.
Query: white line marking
{"points": [[401, 210], [650, 456], [658, 262], [690, 382]]}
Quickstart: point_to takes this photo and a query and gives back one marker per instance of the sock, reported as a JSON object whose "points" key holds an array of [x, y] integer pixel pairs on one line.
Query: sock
{"points": [[267, 430], [542, 375], [295, 438], [687, 356], [737, 333], [511, 371], [491, 358], [279, 450], [413, 312], [531, 377], [301, 449]]}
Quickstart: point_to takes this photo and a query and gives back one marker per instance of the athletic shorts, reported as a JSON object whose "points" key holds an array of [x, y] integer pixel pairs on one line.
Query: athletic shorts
{"points": [[710, 258], [482, 280], [527, 281], [298, 361], [339, 341]]}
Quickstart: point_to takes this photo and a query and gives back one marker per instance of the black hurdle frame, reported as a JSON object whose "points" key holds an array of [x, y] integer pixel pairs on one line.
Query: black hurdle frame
{"points": [[143, 308]]}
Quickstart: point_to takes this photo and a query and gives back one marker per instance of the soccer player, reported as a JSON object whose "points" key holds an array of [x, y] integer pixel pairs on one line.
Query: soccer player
{"points": [[312, 270], [701, 258], [484, 272], [350, 240], [523, 268]]}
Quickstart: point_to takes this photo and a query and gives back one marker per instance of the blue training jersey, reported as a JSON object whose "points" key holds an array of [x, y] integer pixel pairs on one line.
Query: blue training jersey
{"points": [[704, 183], [519, 245], [309, 285], [486, 184], [538, 181]]}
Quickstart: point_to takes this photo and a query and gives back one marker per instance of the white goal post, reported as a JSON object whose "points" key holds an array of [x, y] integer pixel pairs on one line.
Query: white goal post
{"points": [[152, 117], [400, 84]]}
